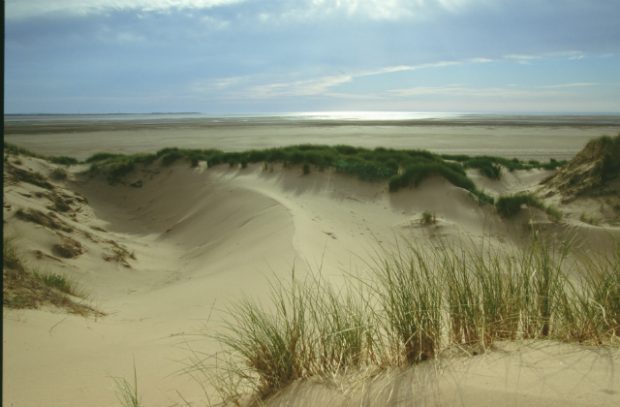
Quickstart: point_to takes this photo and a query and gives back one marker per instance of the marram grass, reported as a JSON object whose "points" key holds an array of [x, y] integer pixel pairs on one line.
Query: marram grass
{"points": [[416, 304]]}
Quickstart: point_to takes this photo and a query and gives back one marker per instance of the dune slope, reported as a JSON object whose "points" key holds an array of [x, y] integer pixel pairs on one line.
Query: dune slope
{"points": [[164, 254]]}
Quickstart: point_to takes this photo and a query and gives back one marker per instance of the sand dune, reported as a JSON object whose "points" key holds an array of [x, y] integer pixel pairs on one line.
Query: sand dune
{"points": [[540, 374], [164, 258]]}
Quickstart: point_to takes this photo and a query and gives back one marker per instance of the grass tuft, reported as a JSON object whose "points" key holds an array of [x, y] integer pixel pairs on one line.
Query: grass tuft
{"points": [[510, 206], [417, 303], [64, 160], [58, 282], [58, 174], [25, 288], [126, 392], [428, 218]]}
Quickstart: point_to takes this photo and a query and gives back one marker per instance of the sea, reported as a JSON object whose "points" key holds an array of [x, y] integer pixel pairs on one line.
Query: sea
{"points": [[329, 117]]}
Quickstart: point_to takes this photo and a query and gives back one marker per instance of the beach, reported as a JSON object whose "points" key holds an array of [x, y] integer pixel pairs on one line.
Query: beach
{"points": [[526, 137], [195, 240]]}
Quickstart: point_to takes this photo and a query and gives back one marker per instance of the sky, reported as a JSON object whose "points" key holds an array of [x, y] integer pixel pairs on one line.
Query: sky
{"points": [[270, 56]]}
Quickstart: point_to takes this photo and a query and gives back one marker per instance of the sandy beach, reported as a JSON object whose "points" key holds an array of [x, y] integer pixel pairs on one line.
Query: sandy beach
{"points": [[165, 258], [536, 137]]}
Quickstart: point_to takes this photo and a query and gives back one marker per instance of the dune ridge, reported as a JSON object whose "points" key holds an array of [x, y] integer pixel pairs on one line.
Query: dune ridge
{"points": [[164, 257]]}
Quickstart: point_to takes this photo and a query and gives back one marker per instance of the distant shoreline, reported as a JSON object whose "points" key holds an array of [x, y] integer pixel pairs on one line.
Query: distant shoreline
{"points": [[50, 123]]}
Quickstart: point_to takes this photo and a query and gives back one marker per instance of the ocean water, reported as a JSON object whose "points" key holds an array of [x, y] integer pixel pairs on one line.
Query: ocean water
{"points": [[325, 118]]}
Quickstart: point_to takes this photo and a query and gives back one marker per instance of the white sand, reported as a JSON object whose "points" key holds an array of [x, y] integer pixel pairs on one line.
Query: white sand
{"points": [[525, 142], [205, 238]]}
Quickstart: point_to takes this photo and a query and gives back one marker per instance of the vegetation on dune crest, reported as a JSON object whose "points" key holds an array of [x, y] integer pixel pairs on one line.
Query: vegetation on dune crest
{"points": [[401, 168], [418, 304], [491, 166], [15, 150], [594, 171], [510, 206]]}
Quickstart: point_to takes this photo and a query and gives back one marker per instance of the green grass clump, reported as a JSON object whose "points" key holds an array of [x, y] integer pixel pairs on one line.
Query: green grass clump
{"points": [[610, 165], [593, 312], [311, 330], [510, 206], [412, 300], [415, 174], [428, 218], [117, 166], [15, 150], [24, 288], [102, 157], [64, 160], [31, 177], [58, 174], [58, 282], [490, 166], [417, 303], [127, 392]]}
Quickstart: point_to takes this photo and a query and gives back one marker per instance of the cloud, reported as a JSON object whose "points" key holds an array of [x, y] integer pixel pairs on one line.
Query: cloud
{"points": [[323, 85], [571, 85], [267, 11], [522, 58], [299, 88], [571, 55], [21, 9], [218, 85], [503, 92], [378, 10]]}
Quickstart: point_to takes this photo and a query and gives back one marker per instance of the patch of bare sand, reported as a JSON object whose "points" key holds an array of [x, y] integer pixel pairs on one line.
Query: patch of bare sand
{"points": [[198, 239], [514, 374]]}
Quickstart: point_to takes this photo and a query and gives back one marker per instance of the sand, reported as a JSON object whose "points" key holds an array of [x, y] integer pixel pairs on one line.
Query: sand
{"points": [[539, 141], [204, 238]]}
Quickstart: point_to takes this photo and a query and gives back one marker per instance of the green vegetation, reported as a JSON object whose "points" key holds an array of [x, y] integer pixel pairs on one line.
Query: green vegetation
{"points": [[490, 166], [510, 206], [25, 288], [30, 177], [126, 392], [58, 282], [15, 150], [610, 149], [419, 303], [58, 174], [49, 220], [428, 218], [64, 160], [401, 168]]}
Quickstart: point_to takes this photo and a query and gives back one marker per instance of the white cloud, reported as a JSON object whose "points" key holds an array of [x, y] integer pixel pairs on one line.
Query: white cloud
{"points": [[522, 58], [385, 10], [309, 87], [218, 84], [571, 55], [525, 59], [497, 92], [323, 85], [480, 60], [17, 9], [571, 85], [215, 23]]}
